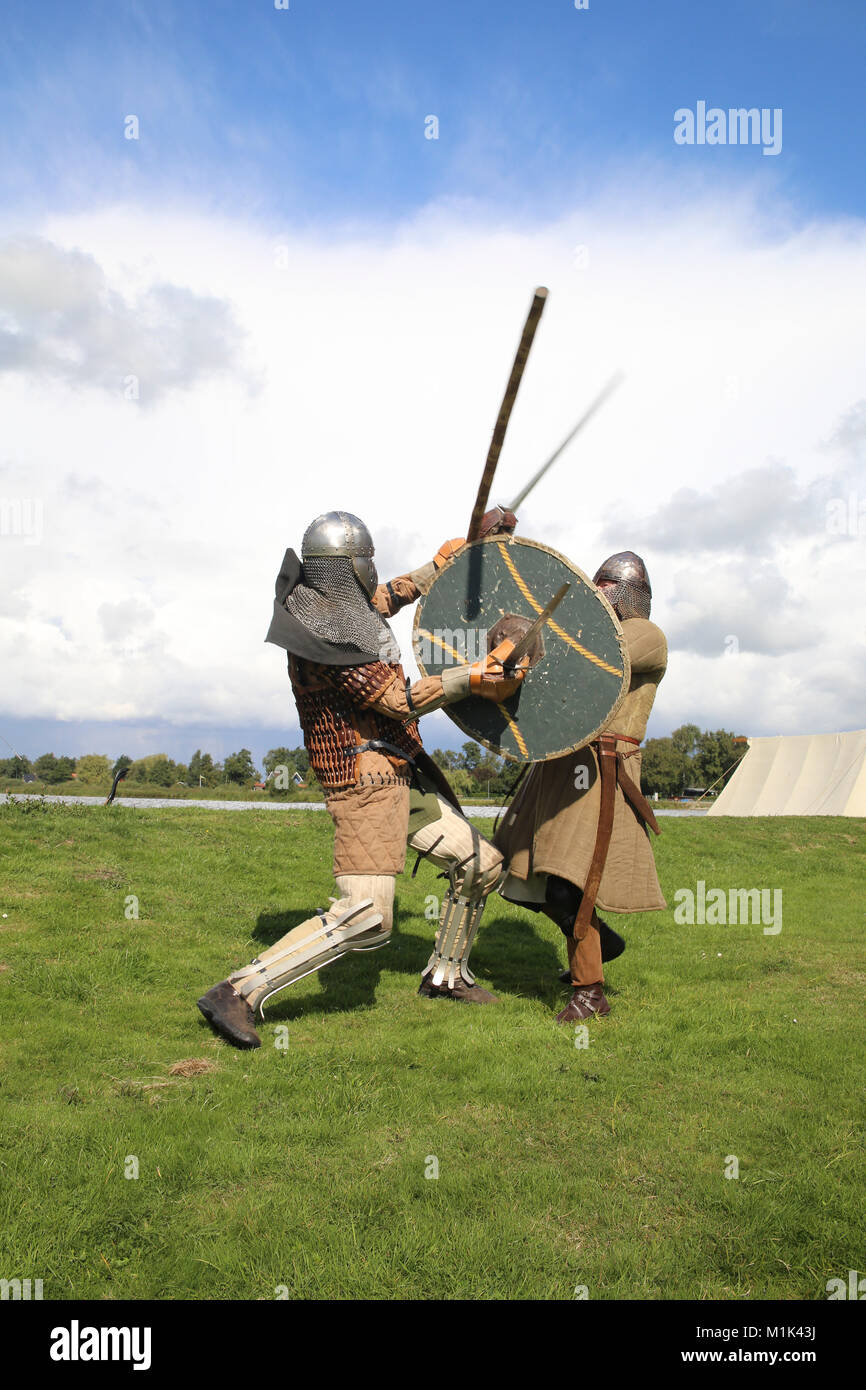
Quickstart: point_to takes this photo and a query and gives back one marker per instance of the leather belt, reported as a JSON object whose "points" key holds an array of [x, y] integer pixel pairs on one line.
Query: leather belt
{"points": [[381, 745], [612, 774]]}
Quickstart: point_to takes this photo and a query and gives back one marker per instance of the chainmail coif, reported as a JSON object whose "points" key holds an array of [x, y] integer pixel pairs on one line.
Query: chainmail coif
{"points": [[629, 600], [331, 604], [632, 593]]}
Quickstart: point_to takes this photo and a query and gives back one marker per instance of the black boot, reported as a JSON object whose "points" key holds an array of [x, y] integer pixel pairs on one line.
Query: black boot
{"points": [[562, 903]]}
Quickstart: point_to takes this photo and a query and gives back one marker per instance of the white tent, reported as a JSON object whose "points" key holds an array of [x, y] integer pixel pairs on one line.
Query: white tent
{"points": [[806, 775]]}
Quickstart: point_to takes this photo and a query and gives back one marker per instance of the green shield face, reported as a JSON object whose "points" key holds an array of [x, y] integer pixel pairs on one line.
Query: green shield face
{"points": [[579, 668]]}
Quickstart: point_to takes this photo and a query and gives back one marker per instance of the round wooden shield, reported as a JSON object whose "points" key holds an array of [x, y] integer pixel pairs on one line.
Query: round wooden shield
{"points": [[579, 667]]}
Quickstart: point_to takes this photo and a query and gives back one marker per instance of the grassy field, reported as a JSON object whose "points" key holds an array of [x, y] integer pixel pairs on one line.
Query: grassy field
{"points": [[303, 1169]]}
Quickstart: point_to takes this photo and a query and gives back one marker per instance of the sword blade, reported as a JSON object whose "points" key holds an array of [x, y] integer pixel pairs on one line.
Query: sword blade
{"points": [[532, 632], [532, 319], [608, 390]]}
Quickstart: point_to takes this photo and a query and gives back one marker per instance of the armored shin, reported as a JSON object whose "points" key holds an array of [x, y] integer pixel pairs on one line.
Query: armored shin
{"points": [[307, 948], [379, 889], [461, 913]]}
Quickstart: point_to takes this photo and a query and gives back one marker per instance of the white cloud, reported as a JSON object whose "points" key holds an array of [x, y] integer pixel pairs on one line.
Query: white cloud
{"points": [[382, 359], [60, 318], [735, 607], [748, 513], [120, 620]]}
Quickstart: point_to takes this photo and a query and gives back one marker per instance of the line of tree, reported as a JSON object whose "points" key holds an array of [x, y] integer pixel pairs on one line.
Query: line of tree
{"points": [[157, 769], [687, 757], [475, 771], [295, 760]]}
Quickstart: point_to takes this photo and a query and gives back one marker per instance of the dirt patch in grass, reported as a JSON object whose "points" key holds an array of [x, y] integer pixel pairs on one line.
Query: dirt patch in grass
{"points": [[112, 876], [192, 1066]]}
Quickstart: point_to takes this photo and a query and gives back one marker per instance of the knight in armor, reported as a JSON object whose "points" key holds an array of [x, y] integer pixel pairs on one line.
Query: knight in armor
{"points": [[576, 833], [359, 717]]}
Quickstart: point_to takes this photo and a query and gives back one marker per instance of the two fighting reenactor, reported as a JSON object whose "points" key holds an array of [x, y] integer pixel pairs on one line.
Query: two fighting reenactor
{"points": [[575, 835]]}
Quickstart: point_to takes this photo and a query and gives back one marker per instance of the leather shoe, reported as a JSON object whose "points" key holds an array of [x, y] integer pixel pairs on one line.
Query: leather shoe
{"points": [[585, 1001], [465, 994], [230, 1015]]}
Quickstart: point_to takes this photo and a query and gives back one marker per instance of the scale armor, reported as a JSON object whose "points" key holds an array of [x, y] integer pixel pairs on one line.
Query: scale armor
{"points": [[331, 701]]}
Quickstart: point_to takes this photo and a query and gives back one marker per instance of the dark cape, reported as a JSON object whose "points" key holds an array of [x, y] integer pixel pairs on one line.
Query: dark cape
{"points": [[285, 631]]}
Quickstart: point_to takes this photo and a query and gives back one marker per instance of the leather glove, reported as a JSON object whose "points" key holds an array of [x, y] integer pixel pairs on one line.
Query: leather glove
{"points": [[487, 678], [498, 522], [447, 549]]}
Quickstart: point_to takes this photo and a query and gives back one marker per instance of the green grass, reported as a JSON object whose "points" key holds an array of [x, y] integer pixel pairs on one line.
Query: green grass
{"points": [[305, 1168]]}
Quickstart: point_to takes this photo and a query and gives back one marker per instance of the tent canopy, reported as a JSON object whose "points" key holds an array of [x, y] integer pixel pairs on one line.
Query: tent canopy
{"points": [[804, 775]]}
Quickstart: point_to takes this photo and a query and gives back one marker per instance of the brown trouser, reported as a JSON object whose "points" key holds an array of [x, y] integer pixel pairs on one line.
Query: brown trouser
{"points": [[584, 957], [584, 947]]}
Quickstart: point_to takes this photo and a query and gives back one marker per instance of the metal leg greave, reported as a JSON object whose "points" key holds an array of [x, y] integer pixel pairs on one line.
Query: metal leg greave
{"points": [[379, 889], [457, 927], [458, 922], [307, 948]]}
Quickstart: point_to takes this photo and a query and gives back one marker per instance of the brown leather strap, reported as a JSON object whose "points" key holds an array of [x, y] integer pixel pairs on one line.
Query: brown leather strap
{"points": [[605, 746], [635, 797]]}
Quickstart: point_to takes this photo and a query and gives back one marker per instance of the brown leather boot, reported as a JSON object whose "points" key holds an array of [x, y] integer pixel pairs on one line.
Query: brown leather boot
{"points": [[585, 1001], [466, 994], [230, 1015]]}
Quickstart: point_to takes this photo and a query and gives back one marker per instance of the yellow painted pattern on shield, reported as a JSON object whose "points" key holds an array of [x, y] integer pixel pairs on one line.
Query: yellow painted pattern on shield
{"points": [[518, 736], [512, 723], [554, 627]]}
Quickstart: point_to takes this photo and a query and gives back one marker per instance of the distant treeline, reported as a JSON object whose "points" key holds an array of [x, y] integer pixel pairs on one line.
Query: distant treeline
{"points": [[470, 770], [157, 769], [687, 758]]}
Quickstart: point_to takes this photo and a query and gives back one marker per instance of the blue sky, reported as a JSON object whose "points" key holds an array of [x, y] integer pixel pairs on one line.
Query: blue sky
{"points": [[316, 114], [727, 283]]}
